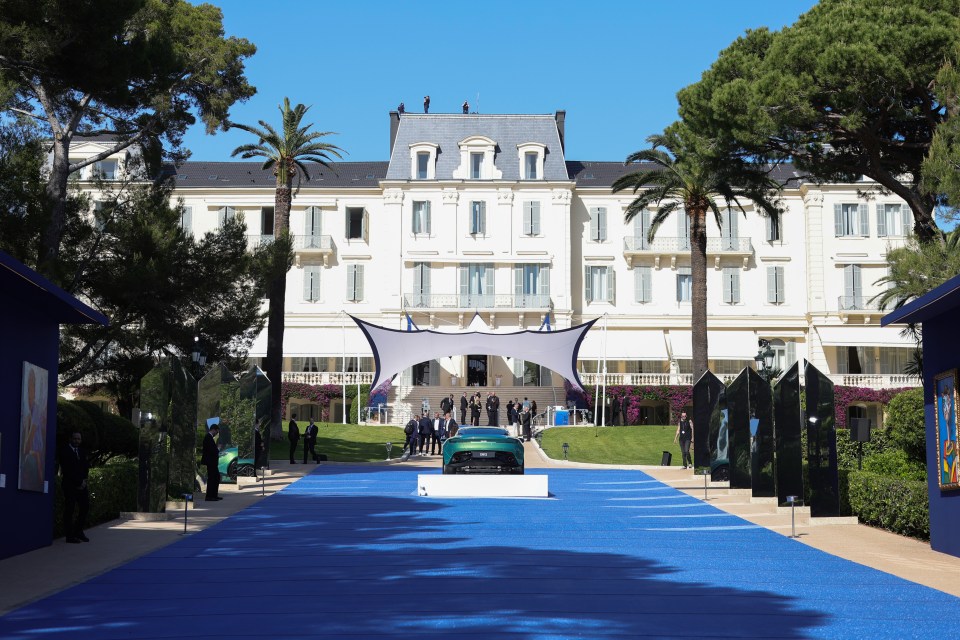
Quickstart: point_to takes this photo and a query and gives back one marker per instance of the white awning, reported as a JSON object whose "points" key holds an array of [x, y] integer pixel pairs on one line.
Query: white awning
{"points": [[394, 350], [634, 344], [863, 336], [721, 345]]}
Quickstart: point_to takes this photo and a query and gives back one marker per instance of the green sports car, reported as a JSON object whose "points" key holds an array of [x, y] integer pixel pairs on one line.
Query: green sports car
{"points": [[483, 450]]}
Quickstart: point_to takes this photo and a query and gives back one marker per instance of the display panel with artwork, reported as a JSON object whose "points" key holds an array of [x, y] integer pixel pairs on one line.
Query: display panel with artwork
{"points": [[945, 390], [33, 428]]}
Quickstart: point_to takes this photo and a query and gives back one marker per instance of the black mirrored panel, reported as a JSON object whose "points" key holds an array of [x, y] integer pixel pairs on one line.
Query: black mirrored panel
{"points": [[156, 393], [787, 419], [762, 445], [182, 431], [824, 491], [254, 438], [736, 402], [710, 445], [218, 402]]}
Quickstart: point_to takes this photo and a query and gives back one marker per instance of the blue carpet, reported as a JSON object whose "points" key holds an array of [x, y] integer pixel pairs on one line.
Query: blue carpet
{"points": [[352, 552]]}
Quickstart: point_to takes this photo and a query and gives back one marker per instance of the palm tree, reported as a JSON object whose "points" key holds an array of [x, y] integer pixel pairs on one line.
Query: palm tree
{"points": [[689, 174], [287, 152]]}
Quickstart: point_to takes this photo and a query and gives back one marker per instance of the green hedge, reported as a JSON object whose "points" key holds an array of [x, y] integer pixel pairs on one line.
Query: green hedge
{"points": [[113, 488], [894, 504], [105, 435]]}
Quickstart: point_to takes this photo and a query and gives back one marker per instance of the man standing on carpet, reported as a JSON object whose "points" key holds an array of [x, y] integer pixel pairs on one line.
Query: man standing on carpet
{"points": [[310, 442], [411, 430], [437, 435], [685, 436], [426, 429], [463, 408], [451, 427], [73, 468], [293, 434], [210, 458]]}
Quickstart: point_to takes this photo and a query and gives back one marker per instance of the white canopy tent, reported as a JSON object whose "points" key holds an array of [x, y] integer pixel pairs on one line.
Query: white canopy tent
{"points": [[395, 350]]}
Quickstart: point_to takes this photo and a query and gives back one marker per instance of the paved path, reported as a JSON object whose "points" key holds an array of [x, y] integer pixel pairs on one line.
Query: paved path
{"points": [[32, 576]]}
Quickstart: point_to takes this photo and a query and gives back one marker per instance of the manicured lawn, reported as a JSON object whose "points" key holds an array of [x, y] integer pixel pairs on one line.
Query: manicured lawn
{"points": [[642, 444], [345, 443]]}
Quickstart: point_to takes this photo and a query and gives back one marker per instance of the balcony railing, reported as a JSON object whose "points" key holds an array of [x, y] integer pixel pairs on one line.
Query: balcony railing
{"points": [[313, 243], [856, 303], [668, 245], [259, 241], [328, 377], [874, 380], [653, 379], [475, 301]]}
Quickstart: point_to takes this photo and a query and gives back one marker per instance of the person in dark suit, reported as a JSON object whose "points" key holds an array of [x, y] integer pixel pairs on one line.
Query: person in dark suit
{"points": [[451, 427], [310, 442], [210, 458], [293, 434], [426, 431], [463, 407], [437, 434], [74, 468], [412, 431], [257, 449], [489, 408], [525, 422], [446, 405], [495, 401], [615, 412]]}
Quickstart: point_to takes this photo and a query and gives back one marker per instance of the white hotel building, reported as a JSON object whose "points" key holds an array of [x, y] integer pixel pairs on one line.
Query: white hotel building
{"points": [[484, 214]]}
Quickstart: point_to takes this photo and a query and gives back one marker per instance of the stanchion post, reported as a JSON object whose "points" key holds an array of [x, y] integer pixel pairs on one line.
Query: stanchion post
{"points": [[792, 501], [705, 472], [187, 498]]}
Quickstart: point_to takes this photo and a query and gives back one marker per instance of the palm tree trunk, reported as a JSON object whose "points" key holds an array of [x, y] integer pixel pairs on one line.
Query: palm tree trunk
{"points": [[698, 294], [277, 295]]}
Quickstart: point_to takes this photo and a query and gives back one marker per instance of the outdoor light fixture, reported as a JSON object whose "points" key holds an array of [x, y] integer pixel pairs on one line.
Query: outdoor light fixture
{"points": [[566, 448], [389, 446], [764, 358], [198, 356]]}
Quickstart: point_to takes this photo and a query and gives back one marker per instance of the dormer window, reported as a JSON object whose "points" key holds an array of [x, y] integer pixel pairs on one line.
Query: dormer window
{"points": [[476, 165], [423, 161], [531, 155], [477, 155]]}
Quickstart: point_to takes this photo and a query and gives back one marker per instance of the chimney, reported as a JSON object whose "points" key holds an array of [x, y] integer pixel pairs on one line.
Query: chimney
{"points": [[394, 125], [561, 116]]}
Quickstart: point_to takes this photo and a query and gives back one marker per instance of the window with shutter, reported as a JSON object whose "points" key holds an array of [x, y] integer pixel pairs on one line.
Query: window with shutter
{"points": [[588, 284], [852, 288], [773, 228], [312, 222], [731, 285], [531, 218], [863, 212], [423, 158], [478, 218], [684, 284], [610, 276], [311, 283], [356, 223], [266, 221], [683, 229], [224, 214], [598, 224], [476, 166], [729, 231], [881, 210], [186, 220], [643, 284]]}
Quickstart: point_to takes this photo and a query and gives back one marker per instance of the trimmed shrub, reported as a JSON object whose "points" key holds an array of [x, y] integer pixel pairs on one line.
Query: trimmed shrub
{"points": [[905, 420], [880, 442], [355, 408], [895, 463], [115, 436], [70, 418], [113, 488], [893, 504]]}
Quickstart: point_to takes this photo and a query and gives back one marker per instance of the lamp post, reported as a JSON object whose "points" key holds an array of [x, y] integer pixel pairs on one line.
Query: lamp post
{"points": [[198, 356], [764, 359], [389, 446], [566, 449]]}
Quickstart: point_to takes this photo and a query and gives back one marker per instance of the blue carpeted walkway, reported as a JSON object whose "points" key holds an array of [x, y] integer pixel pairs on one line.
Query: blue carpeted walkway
{"points": [[352, 552]]}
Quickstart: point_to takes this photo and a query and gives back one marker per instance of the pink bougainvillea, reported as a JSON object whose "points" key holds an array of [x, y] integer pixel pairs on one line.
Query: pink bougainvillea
{"points": [[843, 397], [677, 397]]}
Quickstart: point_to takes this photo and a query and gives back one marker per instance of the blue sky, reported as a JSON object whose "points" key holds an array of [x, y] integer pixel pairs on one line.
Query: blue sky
{"points": [[615, 67]]}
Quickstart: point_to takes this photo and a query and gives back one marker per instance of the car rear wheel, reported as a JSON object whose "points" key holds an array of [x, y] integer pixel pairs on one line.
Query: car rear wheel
{"points": [[232, 470]]}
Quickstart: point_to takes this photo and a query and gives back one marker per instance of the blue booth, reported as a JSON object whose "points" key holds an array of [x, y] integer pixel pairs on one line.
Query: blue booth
{"points": [[34, 309], [937, 313]]}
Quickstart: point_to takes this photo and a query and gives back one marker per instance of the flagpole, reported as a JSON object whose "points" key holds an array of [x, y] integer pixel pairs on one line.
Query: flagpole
{"points": [[604, 418], [343, 366], [358, 388]]}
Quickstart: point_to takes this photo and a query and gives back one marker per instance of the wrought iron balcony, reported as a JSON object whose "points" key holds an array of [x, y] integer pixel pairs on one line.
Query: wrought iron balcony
{"points": [[475, 301], [856, 303], [672, 247], [259, 241]]}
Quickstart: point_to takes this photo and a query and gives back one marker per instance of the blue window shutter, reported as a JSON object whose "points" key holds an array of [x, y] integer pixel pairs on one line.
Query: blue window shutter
{"points": [[864, 211], [791, 353], [595, 224], [186, 220], [359, 282], [611, 285], [838, 220], [417, 278], [427, 223], [638, 284], [527, 218], [518, 281], [907, 215], [735, 286], [307, 287], [543, 281], [426, 277], [727, 285], [602, 223], [535, 218], [772, 285], [351, 281], [881, 220], [483, 218], [464, 282], [588, 284], [781, 285], [488, 273], [415, 218]]}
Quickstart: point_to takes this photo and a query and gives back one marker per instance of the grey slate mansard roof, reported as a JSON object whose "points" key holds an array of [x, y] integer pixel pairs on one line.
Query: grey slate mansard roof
{"points": [[210, 175], [604, 174], [507, 131]]}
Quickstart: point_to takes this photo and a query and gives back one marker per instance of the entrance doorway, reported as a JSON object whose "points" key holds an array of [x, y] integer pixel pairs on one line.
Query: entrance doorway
{"points": [[477, 371]]}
